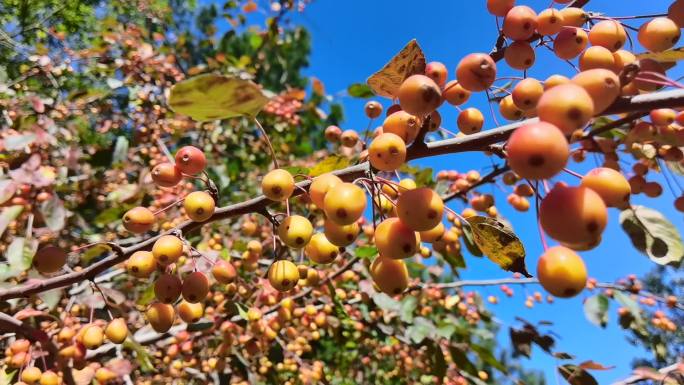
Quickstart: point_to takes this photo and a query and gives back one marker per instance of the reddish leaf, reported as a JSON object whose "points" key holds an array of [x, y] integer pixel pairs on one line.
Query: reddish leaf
{"points": [[592, 365]]}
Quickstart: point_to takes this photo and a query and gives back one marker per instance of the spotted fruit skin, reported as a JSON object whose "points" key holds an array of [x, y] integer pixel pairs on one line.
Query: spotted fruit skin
{"points": [[283, 275], [562, 272]]}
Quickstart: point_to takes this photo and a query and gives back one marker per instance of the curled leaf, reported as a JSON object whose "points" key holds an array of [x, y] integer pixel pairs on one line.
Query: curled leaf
{"points": [[409, 61], [652, 234], [499, 243]]}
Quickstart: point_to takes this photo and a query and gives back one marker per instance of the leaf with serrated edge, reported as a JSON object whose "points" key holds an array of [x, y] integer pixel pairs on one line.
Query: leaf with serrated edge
{"points": [[211, 97], [652, 234], [499, 243], [409, 61]]}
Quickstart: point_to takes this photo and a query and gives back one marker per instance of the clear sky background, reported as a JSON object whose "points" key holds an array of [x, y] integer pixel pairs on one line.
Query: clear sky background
{"points": [[354, 38]]}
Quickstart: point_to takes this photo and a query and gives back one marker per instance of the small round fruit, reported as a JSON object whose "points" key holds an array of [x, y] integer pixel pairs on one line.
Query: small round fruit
{"points": [[167, 288], [434, 234], [190, 160], [195, 287], [278, 185], [349, 138], [520, 55], [373, 109], [166, 174], [283, 275], [333, 134], [537, 151], [167, 249], [549, 22], [574, 17], [403, 124], [420, 209], [508, 109], [224, 272], [50, 378], [608, 34], [141, 264], [340, 235], [160, 316], [610, 185], [190, 312], [49, 259], [389, 275], [476, 72], [500, 7], [344, 203], [116, 331], [31, 375], [470, 121], [659, 34], [622, 58], [138, 220], [455, 94], [570, 42], [562, 272], [526, 93], [555, 80], [387, 152], [573, 215], [93, 337], [394, 240], [520, 23], [596, 57], [199, 206], [419, 95], [320, 250], [602, 85], [436, 71], [295, 231], [569, 107]]}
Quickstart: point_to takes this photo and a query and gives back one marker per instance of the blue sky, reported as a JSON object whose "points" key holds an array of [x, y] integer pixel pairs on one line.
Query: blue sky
{"points": [[353, 38]]}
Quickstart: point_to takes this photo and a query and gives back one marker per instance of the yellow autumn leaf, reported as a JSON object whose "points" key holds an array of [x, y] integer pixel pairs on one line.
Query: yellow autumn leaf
{"points": [[670, 55], [211, 97], [409, 61], [499, 243]]}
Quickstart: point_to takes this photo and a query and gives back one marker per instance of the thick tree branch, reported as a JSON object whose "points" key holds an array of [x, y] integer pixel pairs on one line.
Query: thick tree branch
{"points": [[476, 142]]}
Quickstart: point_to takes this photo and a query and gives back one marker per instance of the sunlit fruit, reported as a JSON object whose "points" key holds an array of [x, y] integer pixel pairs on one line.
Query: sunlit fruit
{"points": [[395, 240], [549, 22], [609, 34], [662, 116], [167, 288], [31, 375], [596, 57], [190, 160], [455, 94], [321, 250], [195, 287], [573, 215], [389, 275], [277, 185], [537, 151], [568, 106], [520, 55], [499, 7], [283, 275], [372, 109], [419, 95], [573, 16], [320, 186], [436, 71], [403, 124], [610, 185], [508, 109], [295, 231], [520, 23], [344, 203], [49, 259], [224, 272], [340, 235], [470, 120], [141, 264], [570, 42], [602, 85], [167, 249], [50, 378], [116, 330], [476, 72], [659, 34], [555, 80], [93, 336], [138, 220], [420, 209], [166, 174], [434, 234], [526, 93], [190, 312], [387, 152], [562, 272], [349, 138], [199, 206], [333, 134], [160, 316]]}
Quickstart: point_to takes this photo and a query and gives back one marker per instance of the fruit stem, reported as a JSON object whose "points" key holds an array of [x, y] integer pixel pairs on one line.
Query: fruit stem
{"points": [[459, 216], [97, 287], [491, 108], [268, 141], [539, 226], [572, 173], [167, 207]]}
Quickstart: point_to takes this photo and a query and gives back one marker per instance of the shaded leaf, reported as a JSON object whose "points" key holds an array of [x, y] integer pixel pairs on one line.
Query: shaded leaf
{"points": [[596, 309], [487, 356], [652, 234], [469, 242], [199, 326], [211, 97], [420, 329], [408, 305], [576, 375], [123, 193], [592, 365], [331, 163], [9, 214], [439, 366], [409, 61], [460, 358], [360, 90], [499, 243], [54, 213], [521, 339], [120, 150], [143, 358], [563, 356], [366, 251], [386, 303], [630, 304]]}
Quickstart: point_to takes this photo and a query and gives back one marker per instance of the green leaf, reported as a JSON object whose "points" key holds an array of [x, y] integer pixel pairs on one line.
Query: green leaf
{"points": [[420, 329], [241, 311], [439, 366], [147, 296], [9, 214], [652, 234], [111, 214], [199, 326], [331, 163], [499, 243], [386, 303], [360, 90], [294, 170], [469, 242], [6, 377], [460, 358], [487, 356], [211, 97], [630, 304], [366, 251], [408, 305], [54, 213], [575, 375], [596, 310], [445, 329], [141, 355]]}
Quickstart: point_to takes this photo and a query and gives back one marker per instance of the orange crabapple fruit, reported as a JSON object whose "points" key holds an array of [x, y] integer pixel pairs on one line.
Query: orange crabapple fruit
{"points": [[549, 22], [659, 34], [341, 235], [387, 152], [224, 272], [373, 109], [476, 72], [49, 377], [508, 109], [435, 121], [420, 209], [320, 186], [195, 287], [609, 34], [199, 206], [621, 58], [389, 275], [434, 234], [31, 375], [138, 220], [437, 71], [596, 57], [333, 134], [167, 249], [295, 231], [141, 264], [455, 94], [499, 7], [520, 23], [602, 85], [555, 80], [610, 185], [283, 275], [394, 240], [166, 174], [570, 42], [419, 95], [190, 160], [470, 120], [403, 124], [574, 17], [568, 106], [167, 288], [526, 93], [562, 272], [49, 259], [320, 250], [344, 204], [116, 331], [662, 116], [349, 138], [573, 215], [278, 185], [537, 151], [190, 312], [520, 55]]}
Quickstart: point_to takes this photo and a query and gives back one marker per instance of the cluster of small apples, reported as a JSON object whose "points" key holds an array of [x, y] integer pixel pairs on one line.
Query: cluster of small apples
{"points": [[284, 107]]}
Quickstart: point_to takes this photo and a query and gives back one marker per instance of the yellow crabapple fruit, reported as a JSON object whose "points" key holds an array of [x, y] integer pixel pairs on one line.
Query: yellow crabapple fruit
{"points": [[277, 185], [295, 231]]}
